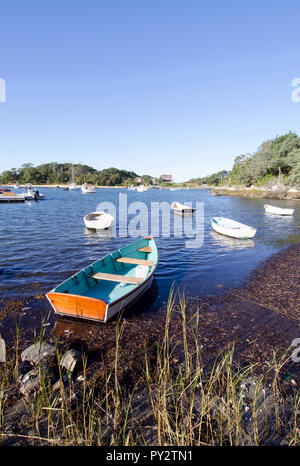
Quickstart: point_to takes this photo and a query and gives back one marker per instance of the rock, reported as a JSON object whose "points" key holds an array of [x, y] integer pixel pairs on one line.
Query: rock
{"points": [[70, 360], [285, 442], [37, 352], [24, 367], [57, 386], [29, 382], [2, 350]]}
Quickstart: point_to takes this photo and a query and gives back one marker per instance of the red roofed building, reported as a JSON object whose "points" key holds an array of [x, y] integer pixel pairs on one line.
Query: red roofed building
{"points": [[167, 178]]}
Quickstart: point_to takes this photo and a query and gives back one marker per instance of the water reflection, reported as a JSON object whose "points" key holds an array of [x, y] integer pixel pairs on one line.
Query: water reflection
{"points": [[288, 219], [99, 233], [230, 243]]}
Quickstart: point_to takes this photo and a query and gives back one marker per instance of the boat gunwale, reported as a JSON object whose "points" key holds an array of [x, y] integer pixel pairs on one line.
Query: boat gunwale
{"points": [[242, 226]]}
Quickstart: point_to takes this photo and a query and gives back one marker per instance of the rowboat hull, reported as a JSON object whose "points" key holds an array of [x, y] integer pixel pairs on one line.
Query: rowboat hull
{"points": [[86, 189], [98, 221], [181, 208], [270, 209], [93, 294], [232, 228]]}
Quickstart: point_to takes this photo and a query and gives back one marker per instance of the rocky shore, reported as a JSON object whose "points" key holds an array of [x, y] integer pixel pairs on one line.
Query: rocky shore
{"points": [[277, 191], [219, 371]]}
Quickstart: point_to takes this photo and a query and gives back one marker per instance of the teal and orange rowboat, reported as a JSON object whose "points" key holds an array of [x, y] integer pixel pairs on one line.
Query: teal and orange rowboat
{"points": [[109, 285]]}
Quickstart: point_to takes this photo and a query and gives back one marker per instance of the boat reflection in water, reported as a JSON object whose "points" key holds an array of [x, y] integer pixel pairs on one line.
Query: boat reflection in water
{"points": [[93, 234], [72, 328], [231, 243]]}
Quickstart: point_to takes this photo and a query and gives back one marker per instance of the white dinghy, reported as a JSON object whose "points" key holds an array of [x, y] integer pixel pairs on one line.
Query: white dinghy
{"points": [[33, 195], [98, 220], [228, 227], [181, 208], [86, 188], [271, 209], [142, 189]]}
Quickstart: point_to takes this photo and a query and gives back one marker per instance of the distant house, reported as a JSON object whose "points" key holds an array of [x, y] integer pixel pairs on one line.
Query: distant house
{"points": [[138, 179], [167, 178]]}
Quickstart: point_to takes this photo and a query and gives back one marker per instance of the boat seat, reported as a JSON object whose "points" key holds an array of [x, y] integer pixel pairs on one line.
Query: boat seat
{"points": [[145, 249], [116, 278], [131, 260]]}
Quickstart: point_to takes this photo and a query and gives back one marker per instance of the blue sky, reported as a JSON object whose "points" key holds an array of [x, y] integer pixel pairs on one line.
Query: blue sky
{"points": [[166, 86]]}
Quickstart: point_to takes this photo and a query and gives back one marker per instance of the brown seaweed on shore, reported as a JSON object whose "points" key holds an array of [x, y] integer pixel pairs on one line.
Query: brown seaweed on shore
{"points": [[276, 284]]}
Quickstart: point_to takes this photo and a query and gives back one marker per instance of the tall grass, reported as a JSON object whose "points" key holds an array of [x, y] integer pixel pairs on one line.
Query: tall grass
{"points": [[186, 401]]}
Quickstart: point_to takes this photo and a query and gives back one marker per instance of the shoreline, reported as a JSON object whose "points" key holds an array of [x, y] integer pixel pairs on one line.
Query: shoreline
{"points": [[61, 186], [256, 192]]}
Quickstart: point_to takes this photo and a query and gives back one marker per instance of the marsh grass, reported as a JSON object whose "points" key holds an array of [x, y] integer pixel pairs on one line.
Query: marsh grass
{"points": [[178, 397]]}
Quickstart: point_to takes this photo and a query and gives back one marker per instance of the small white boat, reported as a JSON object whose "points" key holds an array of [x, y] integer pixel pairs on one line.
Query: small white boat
{"points": [[270, 209], [86, 188], [181, 208], [33, 195], [131, 188], [228, 227], [141, 189], [98, 220]]}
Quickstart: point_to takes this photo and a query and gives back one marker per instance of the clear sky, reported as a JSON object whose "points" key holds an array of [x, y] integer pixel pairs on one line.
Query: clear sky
{"points": [[153, 86]]}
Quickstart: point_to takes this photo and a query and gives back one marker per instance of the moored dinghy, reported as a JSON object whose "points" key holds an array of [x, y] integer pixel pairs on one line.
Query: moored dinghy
{"points": [[228, 227], [109, 285], [98, 220], [181, 208], [86, 188], [271, 209]]}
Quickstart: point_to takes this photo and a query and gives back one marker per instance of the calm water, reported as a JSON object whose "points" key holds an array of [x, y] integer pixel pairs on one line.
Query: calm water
{"points": [[45, 242]]}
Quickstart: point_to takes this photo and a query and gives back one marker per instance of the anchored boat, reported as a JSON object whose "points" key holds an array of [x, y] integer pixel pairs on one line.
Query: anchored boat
{"points": [[33, 195], [86, 188], [109, 285], [271, 209], [142, 189], [228, 227], [98, 220], [181, 208]]}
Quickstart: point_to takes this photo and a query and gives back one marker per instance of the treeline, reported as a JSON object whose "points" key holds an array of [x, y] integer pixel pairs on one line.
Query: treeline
{"points": [[61, 173], [214, 179], [276, 160]]}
